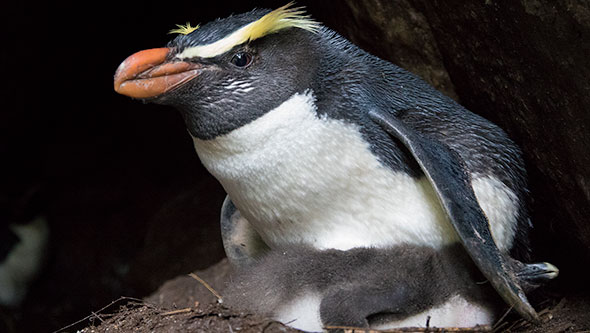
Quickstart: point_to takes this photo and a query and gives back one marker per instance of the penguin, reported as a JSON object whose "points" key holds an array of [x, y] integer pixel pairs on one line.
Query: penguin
{"points": [[317, 142], [379, 288], [24, 241]]}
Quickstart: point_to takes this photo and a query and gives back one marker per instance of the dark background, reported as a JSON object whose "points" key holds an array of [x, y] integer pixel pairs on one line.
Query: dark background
{"points": [[129, 204]]}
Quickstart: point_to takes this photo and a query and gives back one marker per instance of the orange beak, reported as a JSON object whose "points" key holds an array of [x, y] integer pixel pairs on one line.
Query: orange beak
{"points": [[146, 74]]}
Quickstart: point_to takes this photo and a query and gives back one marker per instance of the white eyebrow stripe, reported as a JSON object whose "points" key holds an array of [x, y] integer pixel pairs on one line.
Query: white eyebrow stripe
{"points": [[216, 48]]}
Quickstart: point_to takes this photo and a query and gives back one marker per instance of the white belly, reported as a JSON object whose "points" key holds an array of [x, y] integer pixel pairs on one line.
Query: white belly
{"points": [[455, 312], [303, 313], [300, 178]]}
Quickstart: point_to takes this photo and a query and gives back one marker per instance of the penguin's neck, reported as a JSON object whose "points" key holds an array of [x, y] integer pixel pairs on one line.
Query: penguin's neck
{"points": [[301, 178]]}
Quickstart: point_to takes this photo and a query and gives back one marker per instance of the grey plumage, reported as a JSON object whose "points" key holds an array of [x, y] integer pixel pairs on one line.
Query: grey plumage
{"points": [[360, 285]]}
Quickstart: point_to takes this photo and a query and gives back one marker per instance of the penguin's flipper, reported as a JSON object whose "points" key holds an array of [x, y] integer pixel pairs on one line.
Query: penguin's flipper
{"points": [[241, 242], [447, 174]]}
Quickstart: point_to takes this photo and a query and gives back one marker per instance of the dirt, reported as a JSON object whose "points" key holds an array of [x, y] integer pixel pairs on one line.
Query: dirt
{"points": [[185, 304], [137, 317], [569, 314]]}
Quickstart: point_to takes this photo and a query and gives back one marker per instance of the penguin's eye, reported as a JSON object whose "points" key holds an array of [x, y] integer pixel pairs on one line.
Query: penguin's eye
{"points": [[242, 59]]}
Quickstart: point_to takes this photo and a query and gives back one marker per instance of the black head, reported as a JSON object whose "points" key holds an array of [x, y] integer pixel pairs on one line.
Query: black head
{"points": [[228, 72]]}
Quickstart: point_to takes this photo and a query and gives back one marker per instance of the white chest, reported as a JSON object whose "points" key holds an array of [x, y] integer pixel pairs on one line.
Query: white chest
{"points": [[300, 178]]}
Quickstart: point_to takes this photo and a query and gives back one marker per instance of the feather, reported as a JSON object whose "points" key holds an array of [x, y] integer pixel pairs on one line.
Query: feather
{"points": [[183, 29], [279, 19]]}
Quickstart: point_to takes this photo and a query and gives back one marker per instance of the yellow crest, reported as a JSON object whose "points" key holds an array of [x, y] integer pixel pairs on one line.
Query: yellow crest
{"points": [[183, 29], [279, 19]]}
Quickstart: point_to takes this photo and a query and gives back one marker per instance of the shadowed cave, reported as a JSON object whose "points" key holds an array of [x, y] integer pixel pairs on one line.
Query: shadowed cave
{"points": [[129, 206]]}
